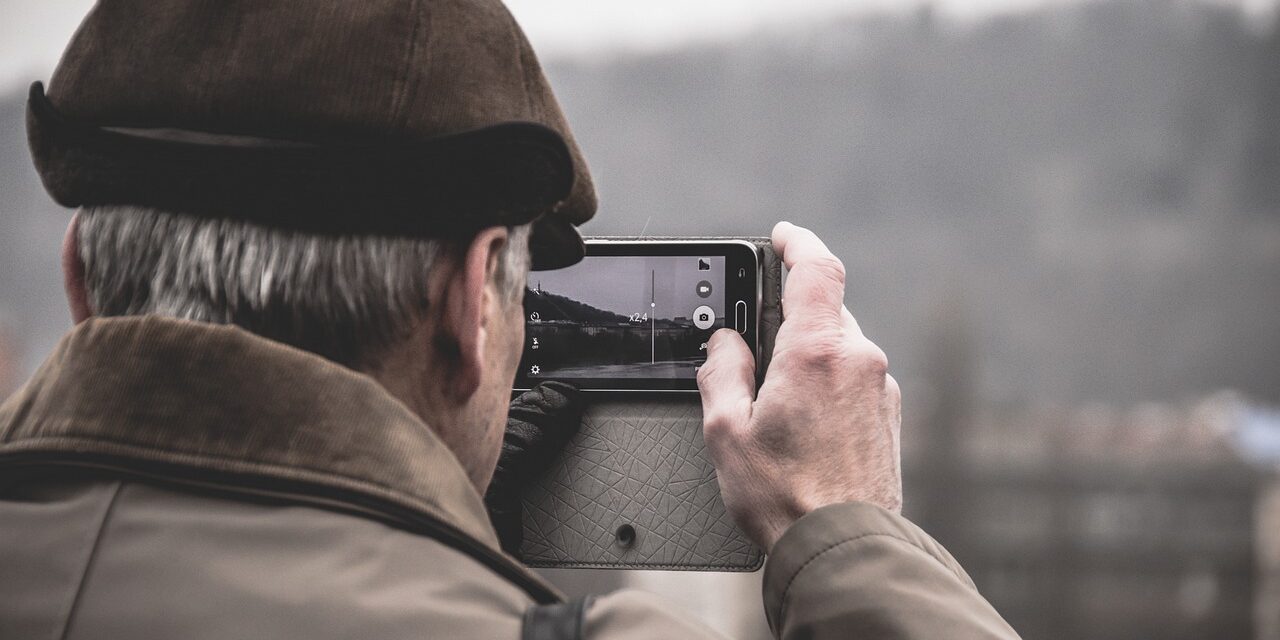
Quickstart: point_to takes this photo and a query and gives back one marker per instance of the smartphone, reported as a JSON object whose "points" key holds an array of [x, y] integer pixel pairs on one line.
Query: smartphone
{"points": [[635, 315]]}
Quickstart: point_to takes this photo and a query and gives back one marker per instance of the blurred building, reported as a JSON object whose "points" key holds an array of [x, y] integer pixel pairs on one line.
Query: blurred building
{"points": [[1267, 616], [1098, 522]]}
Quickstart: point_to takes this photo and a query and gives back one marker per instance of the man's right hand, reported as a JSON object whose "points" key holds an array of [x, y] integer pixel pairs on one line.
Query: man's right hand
{"points": [[824, 427]]}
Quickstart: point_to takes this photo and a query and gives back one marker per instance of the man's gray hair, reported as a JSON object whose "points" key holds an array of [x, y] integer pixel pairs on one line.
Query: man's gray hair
{"points": [[348, 298]]}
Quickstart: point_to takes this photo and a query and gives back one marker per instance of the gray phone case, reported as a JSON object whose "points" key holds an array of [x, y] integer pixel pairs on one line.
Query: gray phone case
{"points": [[635, 488]]}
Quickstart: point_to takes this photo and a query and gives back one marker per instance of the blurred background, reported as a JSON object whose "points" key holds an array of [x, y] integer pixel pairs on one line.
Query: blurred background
{"points": [[1061, 220]]}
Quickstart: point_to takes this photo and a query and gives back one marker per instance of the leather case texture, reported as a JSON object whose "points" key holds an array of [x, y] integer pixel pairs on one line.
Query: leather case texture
{"points": [[635, 488]]}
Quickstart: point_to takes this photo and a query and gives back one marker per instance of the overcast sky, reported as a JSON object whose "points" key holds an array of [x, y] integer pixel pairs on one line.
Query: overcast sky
{"points": [[33, 32]]}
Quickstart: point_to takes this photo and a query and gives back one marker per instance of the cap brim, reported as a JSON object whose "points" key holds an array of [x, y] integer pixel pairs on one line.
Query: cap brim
{"points": [[555, 244], [504, 174]]}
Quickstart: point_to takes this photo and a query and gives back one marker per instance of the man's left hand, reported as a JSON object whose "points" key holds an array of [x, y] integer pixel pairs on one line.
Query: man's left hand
{"points": [[539, 423]]}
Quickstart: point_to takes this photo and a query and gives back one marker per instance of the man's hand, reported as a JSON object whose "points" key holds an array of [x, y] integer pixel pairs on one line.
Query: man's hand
{"points": [[825, 426], [539, 423]]}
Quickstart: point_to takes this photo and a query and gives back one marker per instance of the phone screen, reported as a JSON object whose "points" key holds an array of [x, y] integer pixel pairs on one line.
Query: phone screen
{"points": [[636, 315]]}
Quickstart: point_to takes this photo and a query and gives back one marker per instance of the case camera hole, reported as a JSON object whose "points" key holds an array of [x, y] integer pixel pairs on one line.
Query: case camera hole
{"points": [[626, 535]]}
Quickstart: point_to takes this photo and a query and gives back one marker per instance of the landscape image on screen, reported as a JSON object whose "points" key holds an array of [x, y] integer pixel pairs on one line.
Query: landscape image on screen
{"points": [[626, 317]]}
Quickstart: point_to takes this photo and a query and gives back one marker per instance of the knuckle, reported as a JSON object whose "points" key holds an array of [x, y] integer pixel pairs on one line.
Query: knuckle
{"points": [[830, 268], [720, 423], [710, 374], [892, 402], [704, 374], [820, 354], [716, 425], [893, 391], [872, 361]]}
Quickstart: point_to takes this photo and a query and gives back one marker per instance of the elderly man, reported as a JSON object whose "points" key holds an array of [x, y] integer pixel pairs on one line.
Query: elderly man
{"points": [[295, 277]]}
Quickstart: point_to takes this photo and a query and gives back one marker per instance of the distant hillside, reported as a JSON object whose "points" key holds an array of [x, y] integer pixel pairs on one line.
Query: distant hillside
{"points": [[553, 306], [1092, 192], [1088, 197]]}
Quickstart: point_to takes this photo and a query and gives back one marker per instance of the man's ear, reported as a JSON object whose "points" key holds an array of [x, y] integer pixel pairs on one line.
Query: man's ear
{"points": [[73, 273], [464, 313]]}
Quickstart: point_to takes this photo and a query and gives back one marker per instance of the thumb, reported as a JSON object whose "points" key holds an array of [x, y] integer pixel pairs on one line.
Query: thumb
{"points": [[727, 382]]}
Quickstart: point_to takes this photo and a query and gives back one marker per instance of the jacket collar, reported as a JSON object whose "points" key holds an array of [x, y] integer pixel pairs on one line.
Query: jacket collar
{"points": [[221, 400]]}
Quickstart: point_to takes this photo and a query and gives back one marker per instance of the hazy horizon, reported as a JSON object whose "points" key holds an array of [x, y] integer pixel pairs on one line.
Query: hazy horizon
{"points": [[34, 34]]}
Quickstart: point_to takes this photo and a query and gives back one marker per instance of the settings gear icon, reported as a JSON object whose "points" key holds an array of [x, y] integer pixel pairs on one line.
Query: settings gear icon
{"points": [[535, 370]]}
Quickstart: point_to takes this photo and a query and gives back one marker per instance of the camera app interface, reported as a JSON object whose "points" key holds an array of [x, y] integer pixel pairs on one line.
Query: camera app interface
{"points": [[622, 317]]}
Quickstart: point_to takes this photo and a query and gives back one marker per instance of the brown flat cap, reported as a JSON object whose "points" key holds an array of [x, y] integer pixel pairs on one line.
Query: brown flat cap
{"points": [[403, 117]]}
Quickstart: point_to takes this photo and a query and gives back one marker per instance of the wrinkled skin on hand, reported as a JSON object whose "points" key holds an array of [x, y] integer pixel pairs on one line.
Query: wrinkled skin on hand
{"points": [[824, 428], [539, 424]]}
